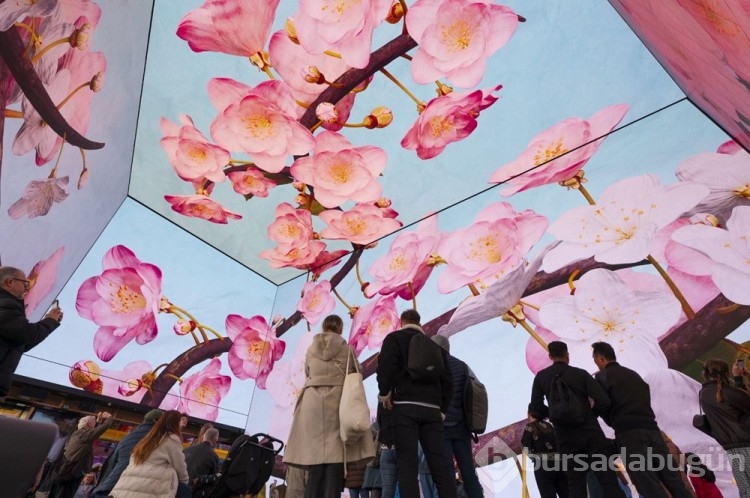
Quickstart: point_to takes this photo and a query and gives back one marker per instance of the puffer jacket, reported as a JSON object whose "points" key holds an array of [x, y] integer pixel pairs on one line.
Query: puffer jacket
{"points": [[17, 335], [119, 460], [729, 421], [157, 477]]}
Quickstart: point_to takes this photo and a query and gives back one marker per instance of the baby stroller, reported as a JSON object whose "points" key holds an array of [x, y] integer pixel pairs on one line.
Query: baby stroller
{"points": [[245, 470]]}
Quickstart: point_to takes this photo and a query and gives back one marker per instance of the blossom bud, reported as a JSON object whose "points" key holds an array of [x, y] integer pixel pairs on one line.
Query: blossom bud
{"points": [[379, 118], [164, 305], [327, 113], [95, 387], [383, 202], [291, 30], [396, 13], [301, 199], [80, 37], [83, 373], [83, 179], [314, 76], [299, 186], [96, 82], [183, 327]]}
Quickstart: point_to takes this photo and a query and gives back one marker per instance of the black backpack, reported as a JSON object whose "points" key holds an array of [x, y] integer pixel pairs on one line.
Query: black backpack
{"points": [[246, 468], [476, 405], [424, 360], [565, 408]]}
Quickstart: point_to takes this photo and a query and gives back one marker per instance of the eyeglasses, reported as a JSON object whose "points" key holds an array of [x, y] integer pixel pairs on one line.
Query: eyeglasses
{"points": [[26, 283]]}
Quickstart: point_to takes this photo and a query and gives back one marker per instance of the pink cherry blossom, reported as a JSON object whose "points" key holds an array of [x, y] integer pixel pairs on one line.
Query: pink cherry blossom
{"points": [[201, 393], [123, 301], [343, 27], [201, 206], [254, 349], [726, 175], [43, 278], [621, 227], [363, 224], [296, 256], [262, 123], [500, 297], [372, 322], [234, 27], [292, 227], [605, 308], [340, 172], [559, 152], [447, 119], [39, 197], [495, 243], [729, 251], [405, 262], [292, 62], [12, 12], [285, 384], [456, 37], [316, 301], [190, 153], [251, 182]]}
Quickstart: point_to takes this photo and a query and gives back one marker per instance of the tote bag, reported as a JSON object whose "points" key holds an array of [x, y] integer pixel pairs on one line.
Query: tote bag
{"points": [[354, 414]]}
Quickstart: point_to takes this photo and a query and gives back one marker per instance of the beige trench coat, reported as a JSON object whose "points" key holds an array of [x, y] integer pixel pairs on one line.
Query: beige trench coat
{"points": [[314, 438]]}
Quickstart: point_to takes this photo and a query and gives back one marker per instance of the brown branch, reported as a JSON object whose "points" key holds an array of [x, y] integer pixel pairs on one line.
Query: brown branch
{"points": [[11, 51]]}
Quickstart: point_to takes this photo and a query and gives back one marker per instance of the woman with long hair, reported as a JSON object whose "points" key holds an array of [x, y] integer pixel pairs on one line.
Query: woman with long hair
{"points": [[314, 441], [728, 412], [157, 465]]}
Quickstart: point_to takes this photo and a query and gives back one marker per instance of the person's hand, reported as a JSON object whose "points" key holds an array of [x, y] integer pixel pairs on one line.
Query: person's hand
{"points": [[387, 401], [104, 415], [55, 313]]}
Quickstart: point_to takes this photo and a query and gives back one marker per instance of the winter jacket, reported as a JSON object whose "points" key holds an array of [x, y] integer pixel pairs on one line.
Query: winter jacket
{"points": [[158, 476], [80, 447], [393, 377], [729, 421], [120, 458], [630, 398], [17, 335], [454, 415], [201, 460], [314, 437]]}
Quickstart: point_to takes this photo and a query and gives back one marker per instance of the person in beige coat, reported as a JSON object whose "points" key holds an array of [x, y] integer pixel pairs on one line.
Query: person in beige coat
{"points": [[314, 440], [157, 466]]}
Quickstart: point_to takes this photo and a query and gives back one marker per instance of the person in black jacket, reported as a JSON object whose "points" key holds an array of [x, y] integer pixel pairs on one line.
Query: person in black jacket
{"points": [[17, 334], [583, 447], [727, 409], [418, 410], [645, 454], [201, 459], [120, 457], [541, 445], [455, 426]]}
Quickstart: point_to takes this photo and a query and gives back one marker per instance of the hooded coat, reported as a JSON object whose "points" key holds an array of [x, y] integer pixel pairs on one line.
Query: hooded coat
{"points": [[314, 438]]}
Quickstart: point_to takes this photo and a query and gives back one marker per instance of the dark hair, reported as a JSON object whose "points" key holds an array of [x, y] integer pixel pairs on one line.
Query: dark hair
{"points": [[557, 349], [698, 468], [333, 323], [410, 317], [717, 370], [605, 350], [169, 423]]}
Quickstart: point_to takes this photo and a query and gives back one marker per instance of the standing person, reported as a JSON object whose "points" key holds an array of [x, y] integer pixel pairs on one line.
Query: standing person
{"points": [[201, 459], [17, 334], [418, 407], [120, 457], [386, 439], [157, 465], [355, 478], [637, 434], [541, 445], [727, 409], [78, 455], [456, 431], [581, 443], [314, 438], [199, 438], [701, 477]]}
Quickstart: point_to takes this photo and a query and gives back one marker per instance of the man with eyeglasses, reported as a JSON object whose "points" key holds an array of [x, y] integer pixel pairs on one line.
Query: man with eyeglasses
{"points": [[17, 334]]}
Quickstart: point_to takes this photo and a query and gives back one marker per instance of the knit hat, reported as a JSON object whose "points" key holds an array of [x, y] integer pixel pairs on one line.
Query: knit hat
{"points": [[153, 415]]}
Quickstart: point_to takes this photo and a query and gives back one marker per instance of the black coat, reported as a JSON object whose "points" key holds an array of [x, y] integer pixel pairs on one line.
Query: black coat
{"points": [[201, 460], [630, 396], [393, 377], [17, 335], [729, 421]]}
